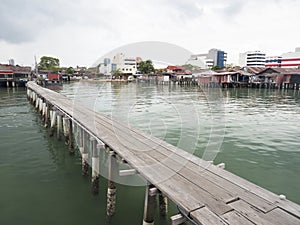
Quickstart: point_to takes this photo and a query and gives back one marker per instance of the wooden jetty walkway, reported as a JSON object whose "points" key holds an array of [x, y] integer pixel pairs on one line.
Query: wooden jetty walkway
{"points": [[204, 193]]}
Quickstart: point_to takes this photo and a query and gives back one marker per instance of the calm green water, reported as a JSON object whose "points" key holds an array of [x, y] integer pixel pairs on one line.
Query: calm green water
{"points": [[42, 184]]}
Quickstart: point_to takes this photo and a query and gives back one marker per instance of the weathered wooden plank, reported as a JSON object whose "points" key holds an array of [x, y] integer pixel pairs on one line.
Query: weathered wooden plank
{"points": [[279, 216], [233, 217], [250, 212], [205, 216], [185, 190]]}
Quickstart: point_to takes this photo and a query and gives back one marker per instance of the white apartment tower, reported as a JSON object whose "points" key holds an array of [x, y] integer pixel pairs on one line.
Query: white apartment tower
{"points": [[252, 58]]}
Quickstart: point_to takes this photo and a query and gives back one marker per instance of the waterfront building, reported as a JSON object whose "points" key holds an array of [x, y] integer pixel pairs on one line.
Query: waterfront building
{"points": [[11, 75], [252, 58], [127, 65], [286, 60], [214, 57], [105, 67]]}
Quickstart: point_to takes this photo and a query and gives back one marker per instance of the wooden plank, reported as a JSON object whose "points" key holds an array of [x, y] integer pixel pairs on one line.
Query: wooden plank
{"points": [[206, 217], [250, 212], [185, 190], [279, 216], [233, 217]]}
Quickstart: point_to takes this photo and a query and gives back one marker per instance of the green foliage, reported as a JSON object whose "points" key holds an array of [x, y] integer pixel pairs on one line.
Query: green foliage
{"points": [[216, 68], [49, 63], [146, 67], [117, 72], [70, 70], [190, 67]]}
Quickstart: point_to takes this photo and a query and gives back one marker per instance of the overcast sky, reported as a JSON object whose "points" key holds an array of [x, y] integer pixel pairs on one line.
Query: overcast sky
{"points": [[79, 32]]}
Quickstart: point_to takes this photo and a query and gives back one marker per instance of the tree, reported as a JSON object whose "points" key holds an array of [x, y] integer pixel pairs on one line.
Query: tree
{"points": [[117, 72], [146, 67], [48, 63], [190, 67], [70, 70], [216, 68]]}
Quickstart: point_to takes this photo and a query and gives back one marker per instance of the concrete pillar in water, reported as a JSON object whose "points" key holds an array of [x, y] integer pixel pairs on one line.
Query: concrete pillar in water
{"points": [[59, 126], [95, 165], [112, 190], [28, 94], [32, 97], [85, 154], [13, 84], [66, 129], [37, 102], [149, 206], [80, 139], [71, 138], [7, 83], [163, 205], [44, 111], [46, 117], [41, 106], [53, 121]]}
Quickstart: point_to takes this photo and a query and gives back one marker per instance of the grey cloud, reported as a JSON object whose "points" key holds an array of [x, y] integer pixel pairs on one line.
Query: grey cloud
{"points": [[22, 21], [187, 8]]}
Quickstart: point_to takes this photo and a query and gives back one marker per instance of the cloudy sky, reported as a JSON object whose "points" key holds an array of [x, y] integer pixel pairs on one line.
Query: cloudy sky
{"points": [[79, 32]]}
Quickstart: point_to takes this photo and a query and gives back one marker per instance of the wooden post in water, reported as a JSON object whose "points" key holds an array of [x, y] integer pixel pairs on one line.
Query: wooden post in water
{"points": [[46, 115], [44, 111], [80, 139], [149, 206], [41, 106], [59, 126], [85, 154], [95, 166], [37, 102], [66, 129], [71, 138], [53, 121], [111, 190], [163, 205]]}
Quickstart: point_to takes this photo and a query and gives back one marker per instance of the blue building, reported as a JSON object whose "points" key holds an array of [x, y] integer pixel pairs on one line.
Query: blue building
{"points": [[214, 57]]}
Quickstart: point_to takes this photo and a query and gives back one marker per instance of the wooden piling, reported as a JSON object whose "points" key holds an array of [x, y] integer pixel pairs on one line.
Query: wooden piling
{"points": [[66, 129], [53, 121], [111, 190], [163, 205], [40, 107], [59, 126], [80, 139], [71, 138], [37, 103], [46, 116], [85, 154], [149, 206], [95, 166]]}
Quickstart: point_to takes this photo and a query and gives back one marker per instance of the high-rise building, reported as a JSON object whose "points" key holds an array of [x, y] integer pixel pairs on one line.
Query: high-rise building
{"points": [[127, 65], [252, 58], [289, 59], [11, 62], [214, 57]]}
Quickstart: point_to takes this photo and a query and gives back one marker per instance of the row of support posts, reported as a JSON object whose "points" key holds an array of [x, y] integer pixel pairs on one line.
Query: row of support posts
{"points": [[85, 142]]}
